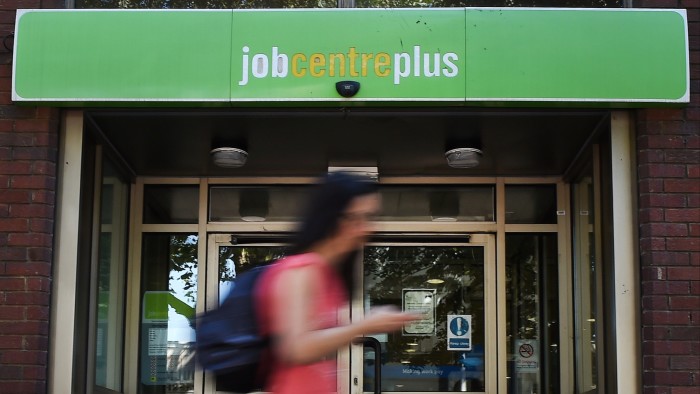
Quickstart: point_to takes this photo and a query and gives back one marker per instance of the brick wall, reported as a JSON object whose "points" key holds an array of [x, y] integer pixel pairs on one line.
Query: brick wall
{"points": [[668, 143], [28, 150]]}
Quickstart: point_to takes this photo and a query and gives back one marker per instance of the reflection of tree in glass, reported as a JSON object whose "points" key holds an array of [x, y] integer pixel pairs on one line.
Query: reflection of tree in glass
{"points": [[235, 260], [390, 269], [183, 265], [104, 272], [522, 279]]}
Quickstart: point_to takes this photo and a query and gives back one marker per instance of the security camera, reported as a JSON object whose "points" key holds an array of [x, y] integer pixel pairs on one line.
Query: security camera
{"points": [[347, 88]]}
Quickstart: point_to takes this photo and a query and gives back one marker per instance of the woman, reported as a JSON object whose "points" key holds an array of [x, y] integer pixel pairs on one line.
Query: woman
{"points": [[301, 295]]}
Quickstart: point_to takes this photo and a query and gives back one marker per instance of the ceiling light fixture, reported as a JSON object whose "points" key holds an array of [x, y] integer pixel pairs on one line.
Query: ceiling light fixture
{"points": [[463, 157], [227, 157]]}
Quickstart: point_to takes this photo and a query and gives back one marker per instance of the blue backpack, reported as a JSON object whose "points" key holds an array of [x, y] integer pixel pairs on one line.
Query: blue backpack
{"points": [[229, 342]]}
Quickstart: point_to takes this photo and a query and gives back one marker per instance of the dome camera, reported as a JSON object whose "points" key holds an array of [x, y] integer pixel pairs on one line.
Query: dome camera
{"points": [[347, 88]]}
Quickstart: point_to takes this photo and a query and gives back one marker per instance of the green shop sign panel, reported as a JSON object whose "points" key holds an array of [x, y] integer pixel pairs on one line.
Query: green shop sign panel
{"points": [[468, 56]]}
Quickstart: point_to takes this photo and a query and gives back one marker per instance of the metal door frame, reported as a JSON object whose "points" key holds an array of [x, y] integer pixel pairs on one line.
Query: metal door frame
{"points": [[488, 242], [211, 292], [495, 230]]}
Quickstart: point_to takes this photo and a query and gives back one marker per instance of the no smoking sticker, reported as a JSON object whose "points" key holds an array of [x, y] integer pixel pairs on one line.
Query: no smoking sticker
{"points": [[526, 350], [526, 357]]}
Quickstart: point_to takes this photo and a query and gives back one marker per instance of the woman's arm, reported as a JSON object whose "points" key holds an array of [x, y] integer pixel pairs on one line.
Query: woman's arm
{"points": [[300, 341]]}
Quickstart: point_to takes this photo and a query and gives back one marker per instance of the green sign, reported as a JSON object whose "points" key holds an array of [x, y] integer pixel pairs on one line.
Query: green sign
{"points": [[395, 55], [472, 56], [577, 55], [156, 305], [112, 56]]}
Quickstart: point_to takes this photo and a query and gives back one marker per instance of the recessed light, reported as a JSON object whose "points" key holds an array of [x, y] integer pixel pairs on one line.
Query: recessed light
{"points": [[463, 157], [226, 157]]}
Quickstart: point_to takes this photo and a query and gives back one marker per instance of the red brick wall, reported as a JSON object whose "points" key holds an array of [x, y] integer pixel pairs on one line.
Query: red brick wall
{"points": [[668, 143], [28, 150]]}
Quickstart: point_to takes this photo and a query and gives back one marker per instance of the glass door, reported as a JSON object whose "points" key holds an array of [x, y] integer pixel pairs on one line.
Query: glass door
{"points": [[228, 257], [452, 283], [452, 349]]}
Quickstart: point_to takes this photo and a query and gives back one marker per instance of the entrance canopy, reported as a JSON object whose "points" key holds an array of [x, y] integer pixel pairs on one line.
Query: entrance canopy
{"points": [[457, 56], [304, 141]]}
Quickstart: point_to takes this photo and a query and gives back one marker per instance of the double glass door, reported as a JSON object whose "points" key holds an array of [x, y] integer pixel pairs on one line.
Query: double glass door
{"points": [[451, 282]]}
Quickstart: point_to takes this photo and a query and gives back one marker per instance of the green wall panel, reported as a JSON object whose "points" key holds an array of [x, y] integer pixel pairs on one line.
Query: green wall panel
{"points": [[598, 55], [123, 55]]}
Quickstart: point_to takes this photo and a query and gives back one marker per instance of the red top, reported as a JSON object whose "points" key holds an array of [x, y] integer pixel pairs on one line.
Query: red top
{"points": [[313, 378]]}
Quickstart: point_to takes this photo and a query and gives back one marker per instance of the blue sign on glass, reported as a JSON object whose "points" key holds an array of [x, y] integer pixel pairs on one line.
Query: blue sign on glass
{"points": [[459, 333]]}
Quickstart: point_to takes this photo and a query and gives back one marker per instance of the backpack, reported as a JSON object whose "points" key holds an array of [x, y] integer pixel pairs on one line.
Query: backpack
{"points": [[229, 342]]}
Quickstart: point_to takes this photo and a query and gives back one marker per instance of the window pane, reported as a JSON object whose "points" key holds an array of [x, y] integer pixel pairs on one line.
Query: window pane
{"points": [[234, 261], [435, 203], [111, 266], [531, 204], [532, 313], [165, 204], [440, 281], [256, 204], [438, 203], [168, 302]]}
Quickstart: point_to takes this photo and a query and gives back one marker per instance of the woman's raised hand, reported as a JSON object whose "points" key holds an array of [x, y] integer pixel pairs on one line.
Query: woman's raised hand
{"points": [[387, 319]]}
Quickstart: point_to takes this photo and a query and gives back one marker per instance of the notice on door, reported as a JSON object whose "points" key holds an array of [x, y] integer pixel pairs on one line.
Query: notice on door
{"points": [[459, 332], [420, 301], [526, 358]]}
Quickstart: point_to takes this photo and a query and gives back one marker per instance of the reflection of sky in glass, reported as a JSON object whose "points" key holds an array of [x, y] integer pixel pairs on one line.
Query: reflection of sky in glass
{"points": [[225, 287], [179, 328], [242, 258]]}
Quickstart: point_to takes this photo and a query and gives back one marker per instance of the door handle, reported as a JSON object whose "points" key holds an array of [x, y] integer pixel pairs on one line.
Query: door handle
{"points": [[374, 344]]}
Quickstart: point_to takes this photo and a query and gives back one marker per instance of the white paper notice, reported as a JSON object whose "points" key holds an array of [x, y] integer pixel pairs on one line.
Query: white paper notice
{"points": [[420, 301], [157, 341]]}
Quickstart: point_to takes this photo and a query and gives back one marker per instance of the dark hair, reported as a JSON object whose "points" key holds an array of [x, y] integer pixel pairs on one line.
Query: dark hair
{"points": [[323, 212]]}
